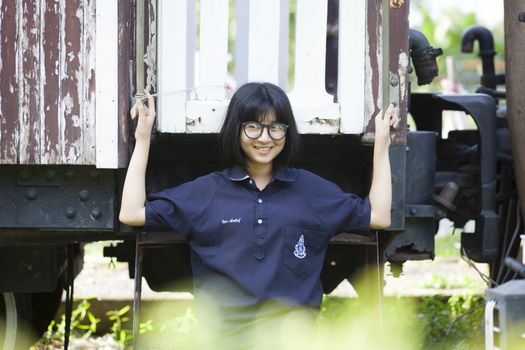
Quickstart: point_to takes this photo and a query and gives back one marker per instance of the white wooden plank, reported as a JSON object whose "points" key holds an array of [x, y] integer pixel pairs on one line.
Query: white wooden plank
{"points": [[89, 85], [284, 43], [175, 62], [263, 42], [106, 84], [241, 41], [205, 116], [314, 109], [310, 51], [317, 118], [213, 53], [351, 70]]}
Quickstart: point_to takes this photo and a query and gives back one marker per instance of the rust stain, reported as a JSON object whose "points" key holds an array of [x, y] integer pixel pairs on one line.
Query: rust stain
{"points": [[8, 83], [397, 3]]}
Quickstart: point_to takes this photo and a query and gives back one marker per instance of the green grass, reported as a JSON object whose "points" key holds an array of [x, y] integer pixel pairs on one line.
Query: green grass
{"points": [[448, 245], [428, 323]]}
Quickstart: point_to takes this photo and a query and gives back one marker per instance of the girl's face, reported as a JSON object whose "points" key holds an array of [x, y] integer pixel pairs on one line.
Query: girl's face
{"points": [[262, 150]]}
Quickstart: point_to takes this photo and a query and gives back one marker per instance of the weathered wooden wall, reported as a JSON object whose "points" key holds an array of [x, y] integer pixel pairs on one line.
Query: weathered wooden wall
{"points": [[47, 82]]}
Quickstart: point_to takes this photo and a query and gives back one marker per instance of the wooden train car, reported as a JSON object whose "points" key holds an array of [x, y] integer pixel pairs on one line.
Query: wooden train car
{"points": [[71, 69]]}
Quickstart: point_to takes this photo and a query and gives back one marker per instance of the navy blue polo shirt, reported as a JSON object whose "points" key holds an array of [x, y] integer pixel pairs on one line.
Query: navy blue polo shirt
{"points": [[250, 246]]}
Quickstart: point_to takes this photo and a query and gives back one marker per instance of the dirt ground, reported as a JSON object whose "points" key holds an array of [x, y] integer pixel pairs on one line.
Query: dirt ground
{"points": [[102, 280]]}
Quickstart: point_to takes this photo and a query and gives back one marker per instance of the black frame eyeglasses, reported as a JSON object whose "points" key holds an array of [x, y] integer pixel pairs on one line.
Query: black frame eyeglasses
{"points": [[254, 130]]}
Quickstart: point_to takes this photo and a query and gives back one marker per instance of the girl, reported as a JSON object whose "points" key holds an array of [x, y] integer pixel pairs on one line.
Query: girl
{"points": [[258, 231]]}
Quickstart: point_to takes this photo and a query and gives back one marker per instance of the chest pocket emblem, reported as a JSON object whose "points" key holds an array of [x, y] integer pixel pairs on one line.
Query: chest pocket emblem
{"points": [[300, 249]]}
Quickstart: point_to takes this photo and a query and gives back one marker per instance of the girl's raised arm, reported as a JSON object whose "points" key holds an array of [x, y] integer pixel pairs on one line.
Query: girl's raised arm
{"points": [[132, 211], [381, 189]]}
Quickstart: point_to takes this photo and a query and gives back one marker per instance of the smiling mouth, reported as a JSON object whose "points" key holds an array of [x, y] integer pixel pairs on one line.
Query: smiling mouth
{"points": [[267, 148]]}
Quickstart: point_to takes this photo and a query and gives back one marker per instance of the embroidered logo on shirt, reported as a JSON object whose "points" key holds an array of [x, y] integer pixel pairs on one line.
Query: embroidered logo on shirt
{"points": [[300, 249], [231, 221]]}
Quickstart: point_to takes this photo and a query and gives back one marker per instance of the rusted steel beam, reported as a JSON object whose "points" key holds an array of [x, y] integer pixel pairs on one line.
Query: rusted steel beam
{"points": [[515, 85], [8, 83]]}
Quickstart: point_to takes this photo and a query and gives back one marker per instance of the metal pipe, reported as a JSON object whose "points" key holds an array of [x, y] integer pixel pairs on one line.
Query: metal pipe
{"points": [[423, 57], [486, 51]]}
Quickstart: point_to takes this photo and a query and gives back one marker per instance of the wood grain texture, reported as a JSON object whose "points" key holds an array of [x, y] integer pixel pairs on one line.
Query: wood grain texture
{"points": [[47, 80]]}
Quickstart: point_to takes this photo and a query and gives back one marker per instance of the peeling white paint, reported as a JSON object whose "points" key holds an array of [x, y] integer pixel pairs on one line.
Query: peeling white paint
{"points": [[369, 97], [402, 72], [89, 67], [61, 75], [150, 55], [67, 104], [44, 152], [77, 122]]}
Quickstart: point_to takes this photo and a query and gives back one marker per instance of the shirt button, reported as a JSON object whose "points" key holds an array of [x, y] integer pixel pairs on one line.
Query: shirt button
{"points": [[259, 201], [259, 221]]}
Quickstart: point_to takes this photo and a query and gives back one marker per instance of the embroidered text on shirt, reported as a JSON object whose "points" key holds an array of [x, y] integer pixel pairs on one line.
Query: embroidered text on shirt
{"points": [[230, 221], [300, 249]]}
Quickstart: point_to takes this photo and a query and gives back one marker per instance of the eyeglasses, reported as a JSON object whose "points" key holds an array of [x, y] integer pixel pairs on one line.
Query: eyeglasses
{"points": [[253, 130]]}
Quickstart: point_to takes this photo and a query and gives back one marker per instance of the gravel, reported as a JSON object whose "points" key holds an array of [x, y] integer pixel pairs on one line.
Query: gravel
{"points": [[105, 342]]}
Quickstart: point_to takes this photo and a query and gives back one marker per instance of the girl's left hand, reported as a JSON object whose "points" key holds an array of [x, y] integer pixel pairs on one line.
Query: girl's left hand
{"points": [[383, 123]]}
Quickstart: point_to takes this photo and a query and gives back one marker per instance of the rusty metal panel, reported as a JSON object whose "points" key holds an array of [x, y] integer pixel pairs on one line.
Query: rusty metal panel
{"points": [[47, 82]]}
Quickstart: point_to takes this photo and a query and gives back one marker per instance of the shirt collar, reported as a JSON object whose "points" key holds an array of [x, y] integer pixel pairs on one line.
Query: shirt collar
{"points": [[283, 174], [237, 174]]}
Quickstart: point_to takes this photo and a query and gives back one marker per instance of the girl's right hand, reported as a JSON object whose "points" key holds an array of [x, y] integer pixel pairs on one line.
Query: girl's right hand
{"points": [[146, 115]]}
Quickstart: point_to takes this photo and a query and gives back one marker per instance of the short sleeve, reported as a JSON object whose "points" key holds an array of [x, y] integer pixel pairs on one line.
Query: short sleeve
{"points": [[338, 210], [178, 208], [344, 212]]}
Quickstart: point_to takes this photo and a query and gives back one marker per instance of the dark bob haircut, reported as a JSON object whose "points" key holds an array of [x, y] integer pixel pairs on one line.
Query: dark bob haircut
{"points": [[253, 102]]}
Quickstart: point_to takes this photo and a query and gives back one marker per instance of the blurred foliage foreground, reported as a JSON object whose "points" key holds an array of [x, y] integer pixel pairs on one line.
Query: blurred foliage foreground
{"points": [[437, 322]]}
